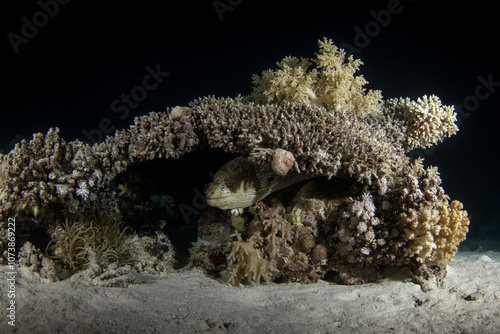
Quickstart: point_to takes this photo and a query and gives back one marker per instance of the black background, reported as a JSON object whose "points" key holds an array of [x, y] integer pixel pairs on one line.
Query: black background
{"points": [[91, 52]]}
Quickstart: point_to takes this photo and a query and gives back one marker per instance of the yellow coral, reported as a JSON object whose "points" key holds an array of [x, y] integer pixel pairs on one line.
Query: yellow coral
{"points": [[291, 82], [337, 87], [427, 121], [331, 83], [454, 224], [435, 232]]}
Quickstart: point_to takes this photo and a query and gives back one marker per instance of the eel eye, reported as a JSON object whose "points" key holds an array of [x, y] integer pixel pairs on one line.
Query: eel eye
{"points": [[223, 188]]}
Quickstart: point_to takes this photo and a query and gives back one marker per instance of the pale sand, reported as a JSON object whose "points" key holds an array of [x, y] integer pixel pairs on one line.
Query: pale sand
{"points": [[187, 301]]}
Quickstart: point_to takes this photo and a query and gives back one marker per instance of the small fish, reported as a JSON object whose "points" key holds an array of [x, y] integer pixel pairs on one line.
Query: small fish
{"points": [[241, 183]]}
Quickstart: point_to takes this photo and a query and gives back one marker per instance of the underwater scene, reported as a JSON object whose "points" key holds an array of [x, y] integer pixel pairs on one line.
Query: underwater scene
{"points": [[246, 167]]}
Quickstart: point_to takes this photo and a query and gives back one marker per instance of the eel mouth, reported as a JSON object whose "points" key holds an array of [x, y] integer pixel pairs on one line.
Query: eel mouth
{"points": [[211, 199], [227, 202], [215, 201]]}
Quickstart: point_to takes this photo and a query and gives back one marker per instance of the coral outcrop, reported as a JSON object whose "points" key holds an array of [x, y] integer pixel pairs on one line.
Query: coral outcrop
{"points": [[369, 206], [33, 259]]}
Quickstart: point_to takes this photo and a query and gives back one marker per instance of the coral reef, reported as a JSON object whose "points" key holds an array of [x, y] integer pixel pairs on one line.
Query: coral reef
{"points": [[432, 225], [321, 143], [102, 274], [370, 208]]}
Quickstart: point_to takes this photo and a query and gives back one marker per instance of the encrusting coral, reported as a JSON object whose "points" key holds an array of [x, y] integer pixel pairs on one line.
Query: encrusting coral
{"points": [[370, 208]]}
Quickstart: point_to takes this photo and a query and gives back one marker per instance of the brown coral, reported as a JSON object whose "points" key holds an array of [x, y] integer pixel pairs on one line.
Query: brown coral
{"points": [[31, 257], [246, 265]]}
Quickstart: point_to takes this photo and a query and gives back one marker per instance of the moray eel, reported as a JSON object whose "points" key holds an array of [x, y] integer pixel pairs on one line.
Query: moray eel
{"points": [[241, 183]]}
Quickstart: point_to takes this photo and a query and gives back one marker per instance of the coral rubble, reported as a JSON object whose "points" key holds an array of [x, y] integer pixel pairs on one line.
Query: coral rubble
{"points": [[369, 207]]}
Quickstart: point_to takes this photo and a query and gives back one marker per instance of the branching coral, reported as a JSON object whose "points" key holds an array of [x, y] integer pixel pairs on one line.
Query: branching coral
{"points": [[246, 265], [435, 232], [331, 83], [357, 230], [320, 143], [39, 172], [429, 227], [65, 176], [427, 121]]}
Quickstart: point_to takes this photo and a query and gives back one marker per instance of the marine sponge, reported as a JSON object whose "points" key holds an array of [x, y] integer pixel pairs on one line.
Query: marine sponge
{"points": [[282, 162], [427, 121], [332, 83]]}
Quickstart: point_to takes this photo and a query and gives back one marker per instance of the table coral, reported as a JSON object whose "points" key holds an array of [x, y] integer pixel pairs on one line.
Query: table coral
{"points": [[371, 207]]}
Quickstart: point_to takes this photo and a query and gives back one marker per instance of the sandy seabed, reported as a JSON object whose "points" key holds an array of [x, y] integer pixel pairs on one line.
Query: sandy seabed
{"points": [[187, 301]]}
